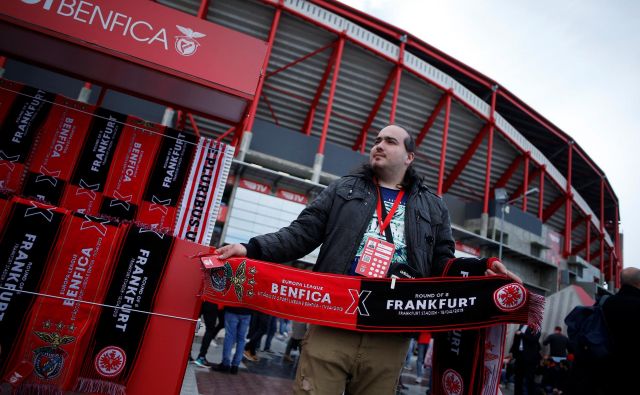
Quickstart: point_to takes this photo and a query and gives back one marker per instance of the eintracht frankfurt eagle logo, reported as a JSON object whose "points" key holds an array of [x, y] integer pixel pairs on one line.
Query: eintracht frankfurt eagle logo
{"points": [[452, 382], [187, 45], [510, 297]]}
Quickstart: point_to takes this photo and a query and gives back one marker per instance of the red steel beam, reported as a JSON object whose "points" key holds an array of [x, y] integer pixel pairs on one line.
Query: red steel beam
{"points": [[527, 156], [302, 59], [588, 252], [226, 133], [553, 207], [602, 225], [361, 141], [204, 7], [194, 125], [579, 222], [270, 107], [465, 158], [487, 174], [443, 150], [332, 91], [506, 176], [577, 249], [568, 213], [542, 172], [311, 114], [254, 103], [520, 190], [396, 88], [444, 99]]}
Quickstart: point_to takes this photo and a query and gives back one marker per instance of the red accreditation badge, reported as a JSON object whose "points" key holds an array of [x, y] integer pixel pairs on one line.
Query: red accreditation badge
{"points": [[375, 258]]}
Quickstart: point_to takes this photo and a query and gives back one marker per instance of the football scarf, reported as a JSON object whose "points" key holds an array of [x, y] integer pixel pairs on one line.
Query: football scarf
{"points": [[25, 244], [59, 143], [203, 192], [453, 371], [130, 168], [112, 354], [84, 192], [370, 304], [159, 205], [57, 333], [28, 110]]}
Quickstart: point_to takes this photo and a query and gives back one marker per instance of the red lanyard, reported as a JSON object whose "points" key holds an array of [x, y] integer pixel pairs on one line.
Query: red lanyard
{"points": [[383, 225]]}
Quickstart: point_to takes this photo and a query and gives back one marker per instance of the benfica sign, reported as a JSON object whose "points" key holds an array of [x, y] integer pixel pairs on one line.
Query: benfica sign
{"points": [[148, 33]]}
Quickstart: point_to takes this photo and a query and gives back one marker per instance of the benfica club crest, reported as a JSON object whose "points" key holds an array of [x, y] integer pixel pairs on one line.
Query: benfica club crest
{"points": [[222, 278], [510, 297], [48, 361], [186, 45], [452, 382]]}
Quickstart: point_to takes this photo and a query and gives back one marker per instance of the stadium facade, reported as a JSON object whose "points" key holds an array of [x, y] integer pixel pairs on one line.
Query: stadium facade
{"points": [[331, 77]]}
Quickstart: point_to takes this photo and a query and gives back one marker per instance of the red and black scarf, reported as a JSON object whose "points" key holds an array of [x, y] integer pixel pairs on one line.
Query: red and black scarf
{"points": [[29, 108], [25, 246], [112, 354], [373, 305], [84, 192], [59, 143], [166, 183], [132, 162], [58, 330]]}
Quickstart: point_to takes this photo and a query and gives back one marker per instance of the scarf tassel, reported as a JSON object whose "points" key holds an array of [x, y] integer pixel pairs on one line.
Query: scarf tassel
{"points": [[95, 386], [536, 311]]}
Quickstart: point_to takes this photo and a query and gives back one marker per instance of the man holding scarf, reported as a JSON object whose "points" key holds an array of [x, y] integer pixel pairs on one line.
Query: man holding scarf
{"points": [[384, 206]]}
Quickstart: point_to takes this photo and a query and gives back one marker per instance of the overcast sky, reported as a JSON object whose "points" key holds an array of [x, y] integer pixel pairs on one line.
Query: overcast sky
{"points": [[575, 62]]}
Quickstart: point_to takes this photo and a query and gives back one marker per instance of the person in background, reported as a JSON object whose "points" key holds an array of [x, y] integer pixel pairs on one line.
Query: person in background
{"points": [[298, 330], [210, 314], [558, 344], [236, 325], [526, 352]]}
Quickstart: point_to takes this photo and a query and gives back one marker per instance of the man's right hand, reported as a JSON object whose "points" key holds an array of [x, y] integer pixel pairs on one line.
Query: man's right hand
{"points": [[231, 250]]}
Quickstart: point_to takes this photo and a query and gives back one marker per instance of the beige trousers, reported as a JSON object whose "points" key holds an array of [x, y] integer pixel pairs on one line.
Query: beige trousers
{"points": [[335, 360]]}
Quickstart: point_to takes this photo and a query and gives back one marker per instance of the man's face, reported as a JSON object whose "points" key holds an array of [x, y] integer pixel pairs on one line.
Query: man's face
{"points": [[389, 153]]}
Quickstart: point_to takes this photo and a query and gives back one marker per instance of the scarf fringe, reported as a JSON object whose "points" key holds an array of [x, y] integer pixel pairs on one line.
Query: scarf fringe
{"points": [[536, 311], [38, 389], [96, 386]]}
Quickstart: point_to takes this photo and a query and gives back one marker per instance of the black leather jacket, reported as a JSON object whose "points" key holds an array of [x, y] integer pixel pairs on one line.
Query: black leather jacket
{"points": [[338, 218]]}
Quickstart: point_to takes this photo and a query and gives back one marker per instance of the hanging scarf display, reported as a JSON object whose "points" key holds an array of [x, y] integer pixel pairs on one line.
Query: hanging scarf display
{"points": [[58, 331], [84, 193], [203, 192], [370, 304], [159, 205], [454, 371], [112, 354], [28, 110], [59, 143], [131, 165], [27, 235]]}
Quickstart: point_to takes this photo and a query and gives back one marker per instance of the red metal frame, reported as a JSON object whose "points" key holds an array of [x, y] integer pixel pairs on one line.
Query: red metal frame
{"points": [[527, 157], [361, 141], [225, 134], [579, 222], [553, 207], [396, 88], [270, 107], [465, 158], [194, 124], [542, 170], [568, 208], [308, 122], [444, 99], [301, 59], [602, 225], [577, 249], [332, 91], [521, 188], [251, 115], [204, 8], [509, 172], [103, 92], [487, 174], [588, 237], [443, 150]]}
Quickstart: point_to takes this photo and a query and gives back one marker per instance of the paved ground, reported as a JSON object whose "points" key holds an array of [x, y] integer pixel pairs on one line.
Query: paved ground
{"points": [[270, 375]]}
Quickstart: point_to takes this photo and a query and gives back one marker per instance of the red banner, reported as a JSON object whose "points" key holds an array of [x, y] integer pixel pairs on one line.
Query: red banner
{"points": [[292, 196], [150, 34], [255, 186]]}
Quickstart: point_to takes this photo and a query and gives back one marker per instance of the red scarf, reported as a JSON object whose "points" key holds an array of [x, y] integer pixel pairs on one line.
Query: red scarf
{"points": [[58, 330], [373, 305]]}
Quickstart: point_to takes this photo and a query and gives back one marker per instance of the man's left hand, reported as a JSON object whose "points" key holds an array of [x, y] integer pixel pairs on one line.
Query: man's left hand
{"points": [[498, 267]]}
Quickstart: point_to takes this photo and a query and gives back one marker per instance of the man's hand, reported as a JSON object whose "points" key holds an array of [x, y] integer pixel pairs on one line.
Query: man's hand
{"points": [[498, 267], [231, 250]]}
